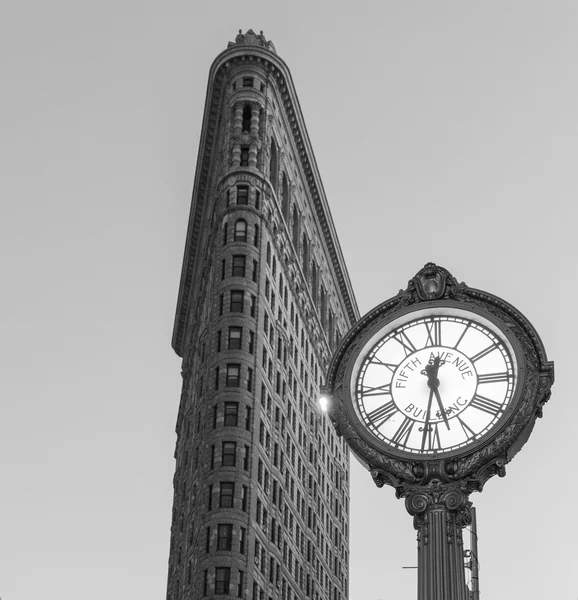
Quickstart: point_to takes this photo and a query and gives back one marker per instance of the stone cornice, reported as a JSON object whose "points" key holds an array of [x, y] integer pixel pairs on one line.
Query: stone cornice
{"points": [[238, 54]]}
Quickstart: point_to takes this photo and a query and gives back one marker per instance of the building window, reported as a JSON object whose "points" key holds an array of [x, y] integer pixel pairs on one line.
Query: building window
{"points": [[229, 454], [244, 497], [241, 583], [238, 265], [285, 197], [205, 580], [274, 166], [314, 282], [235, 335], [305, 255], [295, 228], [250, 379], [231, 414], [244, 159], [240, 233], [219, 340], [251, 342], [221, 302], [255, 270], [225, 232], [253, 305], [242, 540], [222, 580], [242, 194], [247, 118], [223, 263], [226, 494], [210, 501], [208, 540], [224, 536], [237, 297], [216, 378], [257, 199], [248, 419], [233, 375], [247, 81], [256, 236], [246, 458]]}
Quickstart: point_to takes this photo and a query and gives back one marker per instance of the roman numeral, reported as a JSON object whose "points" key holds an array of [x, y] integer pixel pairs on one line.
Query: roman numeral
{"points": [[434, 333], [408, 347], [470, 433], [431, 435], [493, 377], [462, 336], [376, 361], [402, 434], [380, 415], [484, 352], [376, 391], [486, 405]]}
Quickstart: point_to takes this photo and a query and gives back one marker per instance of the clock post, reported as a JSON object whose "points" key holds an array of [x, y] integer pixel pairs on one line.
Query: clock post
{"points": [[439, 519], [435, 391]]}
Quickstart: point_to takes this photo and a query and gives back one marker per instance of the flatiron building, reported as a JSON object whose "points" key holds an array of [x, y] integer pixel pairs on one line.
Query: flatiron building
{"points": [[261, 484]]}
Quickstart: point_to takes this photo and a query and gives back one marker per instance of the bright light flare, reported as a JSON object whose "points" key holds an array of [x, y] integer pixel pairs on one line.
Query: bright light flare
{"points": [[324, 403]]}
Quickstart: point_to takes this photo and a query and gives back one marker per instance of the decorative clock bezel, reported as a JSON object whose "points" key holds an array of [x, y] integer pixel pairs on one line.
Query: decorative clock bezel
{"points": [[431, 290]]}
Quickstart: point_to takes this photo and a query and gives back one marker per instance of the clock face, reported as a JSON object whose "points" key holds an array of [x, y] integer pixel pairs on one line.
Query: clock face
{"points": [[434, 383]]}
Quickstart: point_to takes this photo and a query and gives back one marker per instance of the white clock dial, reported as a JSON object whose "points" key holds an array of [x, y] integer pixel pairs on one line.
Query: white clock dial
{"points": [[435, 383]]}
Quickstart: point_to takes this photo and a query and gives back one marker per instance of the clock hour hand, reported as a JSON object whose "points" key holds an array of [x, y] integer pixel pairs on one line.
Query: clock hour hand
{"points": [[431, 370], [440, 404]]}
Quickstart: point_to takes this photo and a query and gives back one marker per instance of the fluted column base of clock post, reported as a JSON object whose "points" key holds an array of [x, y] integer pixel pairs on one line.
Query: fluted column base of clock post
{"points": [[439, 518]]}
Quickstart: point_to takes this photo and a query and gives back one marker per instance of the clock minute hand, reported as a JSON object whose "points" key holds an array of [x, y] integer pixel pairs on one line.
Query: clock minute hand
{"points": [[426, 425], [440, 404]]}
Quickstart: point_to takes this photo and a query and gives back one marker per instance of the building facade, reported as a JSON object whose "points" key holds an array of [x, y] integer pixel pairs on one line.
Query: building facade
{"points": [[261, 486]]}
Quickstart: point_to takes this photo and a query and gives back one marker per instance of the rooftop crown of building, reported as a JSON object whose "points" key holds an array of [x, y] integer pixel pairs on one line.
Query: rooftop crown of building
{"points": [[252, 39]]}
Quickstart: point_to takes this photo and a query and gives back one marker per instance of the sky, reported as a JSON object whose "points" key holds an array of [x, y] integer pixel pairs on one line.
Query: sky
{"points": [[444, 131]]}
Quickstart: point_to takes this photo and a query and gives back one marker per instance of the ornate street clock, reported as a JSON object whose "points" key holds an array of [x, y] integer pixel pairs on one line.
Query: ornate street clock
{"points": [[435, 390]]}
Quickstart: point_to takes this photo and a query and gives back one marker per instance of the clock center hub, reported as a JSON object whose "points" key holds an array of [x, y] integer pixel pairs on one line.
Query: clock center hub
{"points": [[455, 381]]}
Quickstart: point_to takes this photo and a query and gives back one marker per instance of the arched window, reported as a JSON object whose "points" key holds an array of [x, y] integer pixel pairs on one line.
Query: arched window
{"points": [[274, 166], [285, 198], [240, 234], [305, 256], [247, 118], [295, 228]]}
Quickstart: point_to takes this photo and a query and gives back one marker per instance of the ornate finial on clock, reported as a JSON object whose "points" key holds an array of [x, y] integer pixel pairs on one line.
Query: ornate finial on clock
{"points": [[432, 283]]}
